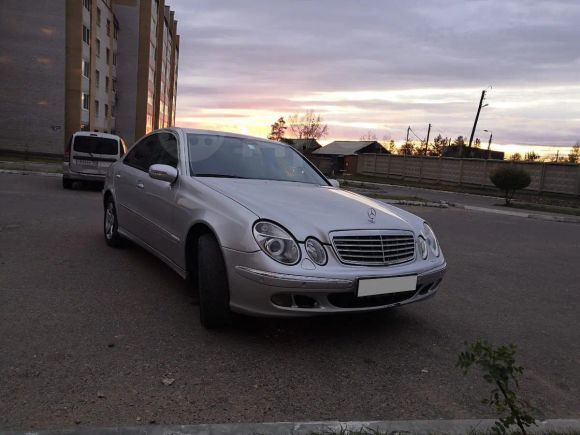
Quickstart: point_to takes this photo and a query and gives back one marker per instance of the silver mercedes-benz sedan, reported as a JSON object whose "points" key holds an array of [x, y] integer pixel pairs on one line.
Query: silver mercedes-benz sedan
{"points": [[257, 229]]}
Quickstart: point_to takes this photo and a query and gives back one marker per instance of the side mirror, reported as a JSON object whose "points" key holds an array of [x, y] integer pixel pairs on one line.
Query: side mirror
{"points": [[334, 183], [163, 173]]}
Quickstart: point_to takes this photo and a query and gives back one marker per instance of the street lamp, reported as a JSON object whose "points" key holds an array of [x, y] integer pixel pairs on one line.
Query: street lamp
{"points": [[489, 143]]}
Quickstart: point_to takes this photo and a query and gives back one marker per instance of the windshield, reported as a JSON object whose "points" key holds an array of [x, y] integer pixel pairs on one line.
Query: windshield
{"points": [[95, 145], [233, 157]]}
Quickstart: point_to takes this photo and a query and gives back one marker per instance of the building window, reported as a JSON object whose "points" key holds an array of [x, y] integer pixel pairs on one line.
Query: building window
{"points": [[97, 78], [85, 101], [86, 68], [115, 32], [97, 108], [87, 4], [108, 55], [107, 83], [86, 35], [98, 47], [108, 27], [98, 17], [114, 58], [106, 110], [114, 84]]}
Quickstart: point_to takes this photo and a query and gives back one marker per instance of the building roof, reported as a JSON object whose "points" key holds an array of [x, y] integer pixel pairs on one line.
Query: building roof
{"points": [[302, 144], [344, 147]]}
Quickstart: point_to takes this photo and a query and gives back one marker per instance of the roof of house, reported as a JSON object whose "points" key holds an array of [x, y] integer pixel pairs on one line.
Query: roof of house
{"points": [[344, 147], [302, 144]]}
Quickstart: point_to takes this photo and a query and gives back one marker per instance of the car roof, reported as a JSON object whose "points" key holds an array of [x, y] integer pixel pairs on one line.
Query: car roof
{"points": [[97, 134], [224, 133]]}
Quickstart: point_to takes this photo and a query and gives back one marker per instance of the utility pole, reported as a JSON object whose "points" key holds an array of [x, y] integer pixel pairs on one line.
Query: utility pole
{"points": [[427, 141], [408, 129], [477, 117], [489, 146]]}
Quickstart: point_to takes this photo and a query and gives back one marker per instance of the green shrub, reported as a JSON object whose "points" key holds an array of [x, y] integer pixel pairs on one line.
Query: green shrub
{"points": [[509, 179], [499, 368]]}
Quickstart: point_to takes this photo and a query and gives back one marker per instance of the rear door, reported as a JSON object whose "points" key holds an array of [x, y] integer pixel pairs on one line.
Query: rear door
{"points": [[93, 154]]}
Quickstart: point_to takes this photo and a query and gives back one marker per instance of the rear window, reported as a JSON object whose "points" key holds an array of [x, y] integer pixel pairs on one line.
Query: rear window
{"points": [[96, 145]]}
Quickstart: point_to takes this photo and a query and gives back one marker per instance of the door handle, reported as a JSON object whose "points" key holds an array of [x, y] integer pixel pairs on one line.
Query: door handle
{"points": [[140, 185], [117, 175]]}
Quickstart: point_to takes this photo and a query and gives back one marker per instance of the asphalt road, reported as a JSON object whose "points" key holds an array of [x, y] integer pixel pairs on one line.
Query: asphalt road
{"points": [[87, 333]]}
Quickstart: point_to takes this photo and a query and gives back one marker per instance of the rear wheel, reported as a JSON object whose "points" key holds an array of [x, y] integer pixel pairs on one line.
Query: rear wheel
{"points": [[67, 183], [214, 294], [111, 226]]}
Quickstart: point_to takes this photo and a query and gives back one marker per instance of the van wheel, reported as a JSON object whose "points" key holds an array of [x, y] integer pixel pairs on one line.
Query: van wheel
{"points": [[214, 294], [67, 183], [111, 225]]}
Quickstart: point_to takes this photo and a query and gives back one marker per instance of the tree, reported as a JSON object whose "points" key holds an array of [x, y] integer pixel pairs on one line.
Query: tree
{"points": [[531, 156], [574, 156], [509, 179], [460, 141], [407, 149], [391, 147], [278, 130], [516, 156], [439, 143], [369, 136], [307, 126]]}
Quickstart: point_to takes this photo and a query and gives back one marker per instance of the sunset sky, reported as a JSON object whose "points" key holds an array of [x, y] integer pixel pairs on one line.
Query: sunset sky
{"points": [[383, 65]]}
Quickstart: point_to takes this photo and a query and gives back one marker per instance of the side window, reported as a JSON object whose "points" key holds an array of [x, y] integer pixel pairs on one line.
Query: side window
{"points": [[166, 149], [141, 155]]}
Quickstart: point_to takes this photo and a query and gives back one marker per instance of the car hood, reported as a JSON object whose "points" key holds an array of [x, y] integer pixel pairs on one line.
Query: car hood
{"points": [[312, 210]]}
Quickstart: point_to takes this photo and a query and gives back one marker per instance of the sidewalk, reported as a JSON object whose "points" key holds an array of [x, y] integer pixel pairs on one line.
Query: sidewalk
{"points": [[410, 427], [467, 201]]}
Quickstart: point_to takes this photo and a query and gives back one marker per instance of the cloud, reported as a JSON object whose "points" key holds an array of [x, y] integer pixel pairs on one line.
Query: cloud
{"points": [[384, 64]]}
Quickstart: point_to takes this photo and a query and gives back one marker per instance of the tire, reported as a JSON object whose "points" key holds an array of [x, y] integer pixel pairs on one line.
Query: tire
{"points": [[214, 294], [67, 183], [111, 226]]}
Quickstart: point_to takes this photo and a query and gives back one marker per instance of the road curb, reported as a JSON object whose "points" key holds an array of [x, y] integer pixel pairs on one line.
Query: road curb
{"points": [[544, 217], [22, 172], [412, 427]]}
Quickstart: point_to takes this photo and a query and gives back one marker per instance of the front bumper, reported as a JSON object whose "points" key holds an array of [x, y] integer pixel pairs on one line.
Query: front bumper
{"points": [[260, 286]]}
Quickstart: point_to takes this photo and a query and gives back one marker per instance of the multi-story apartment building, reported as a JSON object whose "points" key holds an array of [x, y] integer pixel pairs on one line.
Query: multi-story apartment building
{"points": [[155, 52], [98, 65]]}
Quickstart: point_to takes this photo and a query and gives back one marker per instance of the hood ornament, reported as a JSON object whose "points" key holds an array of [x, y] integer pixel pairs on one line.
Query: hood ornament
{"points": [[372, 214]]}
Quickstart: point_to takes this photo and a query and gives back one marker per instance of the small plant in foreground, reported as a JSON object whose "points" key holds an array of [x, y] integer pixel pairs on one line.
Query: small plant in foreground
{"points": [[499, 369], [509, 179]]}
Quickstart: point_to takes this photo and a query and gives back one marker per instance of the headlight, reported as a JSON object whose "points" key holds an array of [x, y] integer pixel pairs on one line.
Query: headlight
{"points": [[315, 251], [431, 240], [276, 242], [422, 244]]}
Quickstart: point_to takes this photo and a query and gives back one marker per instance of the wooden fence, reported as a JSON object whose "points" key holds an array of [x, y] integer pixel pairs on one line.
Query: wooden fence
{"points": [[546, 177]]}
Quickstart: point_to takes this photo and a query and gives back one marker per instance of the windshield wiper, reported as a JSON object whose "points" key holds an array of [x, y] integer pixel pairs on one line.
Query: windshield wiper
{"points": [[218, 176]]}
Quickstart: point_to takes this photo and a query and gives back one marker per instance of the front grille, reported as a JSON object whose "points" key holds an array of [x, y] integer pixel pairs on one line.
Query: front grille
{"points": [[374, 248]]}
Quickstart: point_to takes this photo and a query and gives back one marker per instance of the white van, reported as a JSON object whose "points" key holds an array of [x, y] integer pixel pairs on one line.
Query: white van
{"points": [[88, 155]]}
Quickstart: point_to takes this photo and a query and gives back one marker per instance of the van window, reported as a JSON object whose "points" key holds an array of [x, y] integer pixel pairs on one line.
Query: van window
{"points": [[96, 145]]}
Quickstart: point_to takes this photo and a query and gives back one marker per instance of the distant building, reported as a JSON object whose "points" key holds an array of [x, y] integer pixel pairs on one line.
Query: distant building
{"points": [[96, 65], [471, 153], [305, 146], [340, 156]]}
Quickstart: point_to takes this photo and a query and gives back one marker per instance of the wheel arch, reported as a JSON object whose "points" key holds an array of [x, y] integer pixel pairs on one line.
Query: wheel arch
{"points": [[191, 240]]}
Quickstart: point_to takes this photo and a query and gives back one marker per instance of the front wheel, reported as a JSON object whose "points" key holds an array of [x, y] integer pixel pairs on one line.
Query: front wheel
{"points": [[214, 294], [67, 183], [111, 226]]}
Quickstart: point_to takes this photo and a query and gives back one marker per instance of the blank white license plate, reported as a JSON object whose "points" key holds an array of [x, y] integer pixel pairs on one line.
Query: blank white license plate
{"points": [[383, 286]]}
